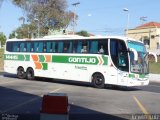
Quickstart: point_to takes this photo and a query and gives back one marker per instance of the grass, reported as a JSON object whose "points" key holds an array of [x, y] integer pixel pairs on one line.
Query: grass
{"points": [[1, 59], [153, 67]]}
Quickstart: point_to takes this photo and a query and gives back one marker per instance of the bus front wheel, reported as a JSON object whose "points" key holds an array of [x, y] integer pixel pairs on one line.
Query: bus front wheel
{"points": [[30, 74], [21, 73], [98, 80]]}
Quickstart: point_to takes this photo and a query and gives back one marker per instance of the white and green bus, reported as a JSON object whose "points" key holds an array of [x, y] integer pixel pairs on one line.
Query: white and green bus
{"points": [[107, 59]]}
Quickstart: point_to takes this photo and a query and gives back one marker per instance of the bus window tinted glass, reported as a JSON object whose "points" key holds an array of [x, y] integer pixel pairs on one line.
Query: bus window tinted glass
{"points": [[60, 47], [119, 54], [15, 46], [67, 47], [70, 50], [53, 47], [103, 46], [93, 47], [9, 46], [48, 47], [22, 47], [28, 46], [79, 47]]}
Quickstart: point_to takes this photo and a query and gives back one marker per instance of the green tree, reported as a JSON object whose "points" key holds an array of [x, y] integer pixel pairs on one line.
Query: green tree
{"points": [[2, 38], [24, 31], [12, 35], [50, 14], [83, 33]]}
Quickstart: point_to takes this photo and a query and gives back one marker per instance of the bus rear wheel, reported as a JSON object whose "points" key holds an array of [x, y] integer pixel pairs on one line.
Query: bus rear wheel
{"points": [[30, 74], [98, 80], [21, 73]]}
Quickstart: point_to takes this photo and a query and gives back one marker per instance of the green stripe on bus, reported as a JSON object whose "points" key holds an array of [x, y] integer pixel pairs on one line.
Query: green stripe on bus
{"points": [[93, 60], [17, 57], [131, 75], [142, 76], [134, 75], [27, 57], [45, 66], [41, 58], [105, 59]]}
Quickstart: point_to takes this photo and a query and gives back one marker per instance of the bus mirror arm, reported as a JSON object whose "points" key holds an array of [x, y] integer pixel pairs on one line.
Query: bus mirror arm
{"points": [[154, 54], [135, 53]]}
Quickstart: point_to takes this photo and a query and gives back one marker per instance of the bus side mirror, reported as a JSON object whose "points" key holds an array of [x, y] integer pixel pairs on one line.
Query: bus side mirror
{"points": [[135, 53], [154, 54]]}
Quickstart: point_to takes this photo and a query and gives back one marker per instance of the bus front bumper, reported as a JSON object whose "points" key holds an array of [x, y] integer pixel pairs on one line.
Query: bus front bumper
{"points": [[138, 82]]}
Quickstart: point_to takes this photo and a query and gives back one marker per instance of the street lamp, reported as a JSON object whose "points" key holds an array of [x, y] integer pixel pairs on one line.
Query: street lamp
{"points": [[127, 26], [38, 26], [74, 19]]}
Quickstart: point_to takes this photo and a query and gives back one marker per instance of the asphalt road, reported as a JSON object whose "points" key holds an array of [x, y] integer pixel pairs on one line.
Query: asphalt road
{"points": [[22, 99]]}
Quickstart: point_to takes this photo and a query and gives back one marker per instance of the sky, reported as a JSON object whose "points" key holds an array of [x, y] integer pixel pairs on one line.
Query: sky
{"points": [[99, 17]]}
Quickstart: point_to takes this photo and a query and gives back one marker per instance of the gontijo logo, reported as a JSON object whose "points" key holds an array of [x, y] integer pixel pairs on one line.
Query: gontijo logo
{"points": [[92, 60], [81, 60]]}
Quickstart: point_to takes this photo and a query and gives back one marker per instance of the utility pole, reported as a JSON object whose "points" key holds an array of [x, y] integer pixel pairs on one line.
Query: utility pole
{"points": [[74, 19], [38, 27]]}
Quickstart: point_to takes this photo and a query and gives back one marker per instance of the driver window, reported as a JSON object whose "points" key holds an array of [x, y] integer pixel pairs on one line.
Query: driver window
{"points": [[122, 56]]}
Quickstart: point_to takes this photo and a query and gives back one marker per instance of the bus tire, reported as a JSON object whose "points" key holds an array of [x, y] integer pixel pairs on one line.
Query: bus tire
{"points": [[21, 73], [30, 74], [98, 80]]}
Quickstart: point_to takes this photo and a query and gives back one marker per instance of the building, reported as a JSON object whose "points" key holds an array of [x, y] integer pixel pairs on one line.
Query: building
{"points": [[149, 34]]}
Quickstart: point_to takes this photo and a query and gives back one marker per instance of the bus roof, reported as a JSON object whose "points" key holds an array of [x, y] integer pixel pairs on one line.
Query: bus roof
{"points": [[72, 37]]}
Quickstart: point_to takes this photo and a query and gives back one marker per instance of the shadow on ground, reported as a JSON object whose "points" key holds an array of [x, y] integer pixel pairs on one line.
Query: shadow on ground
{"points": [[78, 83], [24, 106]]}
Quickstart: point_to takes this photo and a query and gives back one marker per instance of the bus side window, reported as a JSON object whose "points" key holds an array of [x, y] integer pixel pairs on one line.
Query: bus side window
{"points": [[93, 47], [85, 47], [16, 47], [75, 45], [21, 46], [25, 47], [79, 47], [9, 46], [35, 49], [28, 46], [32, 46], [70, 50], [53, 48], [103, 46], [40, 47], [44, 47], [67, 47], [48, 47], [60, 46]]}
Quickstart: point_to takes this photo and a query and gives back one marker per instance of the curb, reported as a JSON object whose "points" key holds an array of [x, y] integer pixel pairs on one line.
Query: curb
{"points": [[154, 77]]}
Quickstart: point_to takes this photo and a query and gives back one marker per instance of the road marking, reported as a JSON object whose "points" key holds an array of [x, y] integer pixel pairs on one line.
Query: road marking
{"points": [[29, 101], [142, 108], [56, 90]]}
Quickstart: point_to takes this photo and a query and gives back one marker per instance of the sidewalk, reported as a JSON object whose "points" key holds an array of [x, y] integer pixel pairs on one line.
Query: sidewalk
{"points": [[154, 77]]}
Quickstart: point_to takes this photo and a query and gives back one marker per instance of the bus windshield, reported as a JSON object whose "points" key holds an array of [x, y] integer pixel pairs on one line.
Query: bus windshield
{"points": [[141, 65]]}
